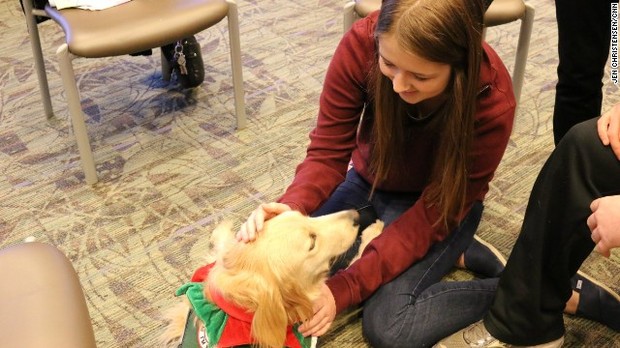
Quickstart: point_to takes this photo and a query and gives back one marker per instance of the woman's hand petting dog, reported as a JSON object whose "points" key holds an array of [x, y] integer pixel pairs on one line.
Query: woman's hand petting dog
{"points": [[324, 315], [254, 224]]}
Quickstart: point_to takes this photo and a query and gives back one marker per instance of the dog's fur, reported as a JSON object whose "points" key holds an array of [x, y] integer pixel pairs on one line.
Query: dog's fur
{"points": [[279, 275]]}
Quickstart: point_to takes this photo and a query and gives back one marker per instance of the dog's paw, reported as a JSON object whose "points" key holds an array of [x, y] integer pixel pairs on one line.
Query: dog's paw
{"points": [[368, 234], [371, 232]]}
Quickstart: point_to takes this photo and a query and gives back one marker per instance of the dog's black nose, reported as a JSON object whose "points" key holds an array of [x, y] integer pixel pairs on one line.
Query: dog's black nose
{"points": [[355, 216]]}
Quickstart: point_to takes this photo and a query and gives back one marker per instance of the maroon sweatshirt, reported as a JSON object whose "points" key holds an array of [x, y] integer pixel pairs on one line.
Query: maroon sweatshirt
{"points": [[336, 141]]}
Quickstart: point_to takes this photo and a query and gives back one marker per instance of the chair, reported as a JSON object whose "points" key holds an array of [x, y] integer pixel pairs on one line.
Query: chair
{"points": [[500, 12], [507, 11], [356, 9], [134, 26], [42, 301]]}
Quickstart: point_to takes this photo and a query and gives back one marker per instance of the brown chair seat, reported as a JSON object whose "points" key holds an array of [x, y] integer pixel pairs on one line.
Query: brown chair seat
{"points": [[94, 34], [364, 7], [41, 299], [500, 11], [503, 11]]}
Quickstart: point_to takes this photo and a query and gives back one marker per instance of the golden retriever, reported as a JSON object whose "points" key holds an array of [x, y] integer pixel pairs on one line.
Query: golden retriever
{"points": [[276, 277]]}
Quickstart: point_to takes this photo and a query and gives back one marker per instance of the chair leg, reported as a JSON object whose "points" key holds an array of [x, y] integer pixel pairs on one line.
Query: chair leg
{"points": [[523, 47], [235, 60], [37, 54], [349, 15], [75, 111], [166, 67]]}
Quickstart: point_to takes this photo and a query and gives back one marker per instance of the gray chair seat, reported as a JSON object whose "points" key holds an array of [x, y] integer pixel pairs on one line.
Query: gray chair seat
{"points": [[136, 25]]}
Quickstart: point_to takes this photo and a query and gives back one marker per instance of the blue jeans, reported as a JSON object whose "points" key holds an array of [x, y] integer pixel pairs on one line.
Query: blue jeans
{"points": [[416, 309]]}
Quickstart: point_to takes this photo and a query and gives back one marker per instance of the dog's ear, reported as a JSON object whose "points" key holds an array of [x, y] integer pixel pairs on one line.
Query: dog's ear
{"points": [[286, 304], [297, 303], [270, 319]]}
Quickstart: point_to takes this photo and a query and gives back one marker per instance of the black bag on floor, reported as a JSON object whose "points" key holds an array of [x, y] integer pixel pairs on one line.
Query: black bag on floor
{"points": [[39, 5]]}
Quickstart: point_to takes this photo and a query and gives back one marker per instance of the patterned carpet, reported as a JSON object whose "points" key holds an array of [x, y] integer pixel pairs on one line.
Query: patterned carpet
{"points": [[172, 165]]}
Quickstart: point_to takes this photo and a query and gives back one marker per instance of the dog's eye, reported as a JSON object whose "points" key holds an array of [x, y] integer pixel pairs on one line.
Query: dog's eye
{"points": [[313, 239]]}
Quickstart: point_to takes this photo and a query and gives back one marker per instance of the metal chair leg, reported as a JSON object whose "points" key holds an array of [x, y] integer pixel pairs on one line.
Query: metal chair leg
{"points": [[75, 111], [37, 54], [166, 67], [349, 15], [235, 60], [523, 47]]}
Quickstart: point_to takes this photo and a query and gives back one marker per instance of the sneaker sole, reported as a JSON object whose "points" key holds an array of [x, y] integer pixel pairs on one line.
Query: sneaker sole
{"points": [[553, 344], [458, 340], [601, 285], [494, 250]]}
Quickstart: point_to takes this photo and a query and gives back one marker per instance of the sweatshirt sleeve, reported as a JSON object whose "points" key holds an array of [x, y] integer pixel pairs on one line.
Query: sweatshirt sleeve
{"points": [[407, 239], [334, 137]]}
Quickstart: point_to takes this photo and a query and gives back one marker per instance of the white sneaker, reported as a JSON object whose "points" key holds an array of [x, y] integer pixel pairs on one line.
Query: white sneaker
{"points": [[477, 336]]}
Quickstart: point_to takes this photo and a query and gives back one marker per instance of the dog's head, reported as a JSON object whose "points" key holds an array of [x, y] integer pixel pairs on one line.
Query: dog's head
{"points": [[280, 274]]}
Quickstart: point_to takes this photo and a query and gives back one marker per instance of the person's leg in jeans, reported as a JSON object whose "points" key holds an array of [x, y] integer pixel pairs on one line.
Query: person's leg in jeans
{"points": [[465, 301], [416, 309], [583, 48], [554, 239], [353, 193]]}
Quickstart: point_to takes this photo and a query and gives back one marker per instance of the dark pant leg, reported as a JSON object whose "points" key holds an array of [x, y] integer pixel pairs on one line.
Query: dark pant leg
{"points": [[353, 193], [583, 49], [554, 239], [416, 309]]}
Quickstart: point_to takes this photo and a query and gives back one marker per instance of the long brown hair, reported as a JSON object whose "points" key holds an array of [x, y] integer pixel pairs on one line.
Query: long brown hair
{"points": [[442, 31]]}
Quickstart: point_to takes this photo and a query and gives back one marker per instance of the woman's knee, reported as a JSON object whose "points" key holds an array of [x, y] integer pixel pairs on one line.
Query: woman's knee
{"points": [[387, 331], [378, 333], [377, 323]]}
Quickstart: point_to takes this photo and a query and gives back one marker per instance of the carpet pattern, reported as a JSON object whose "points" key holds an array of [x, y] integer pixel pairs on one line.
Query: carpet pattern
{"points": [[172, 165]]}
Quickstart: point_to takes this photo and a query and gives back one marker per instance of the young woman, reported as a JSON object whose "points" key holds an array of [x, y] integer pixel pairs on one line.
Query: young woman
{"points": [[422, 109]]}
